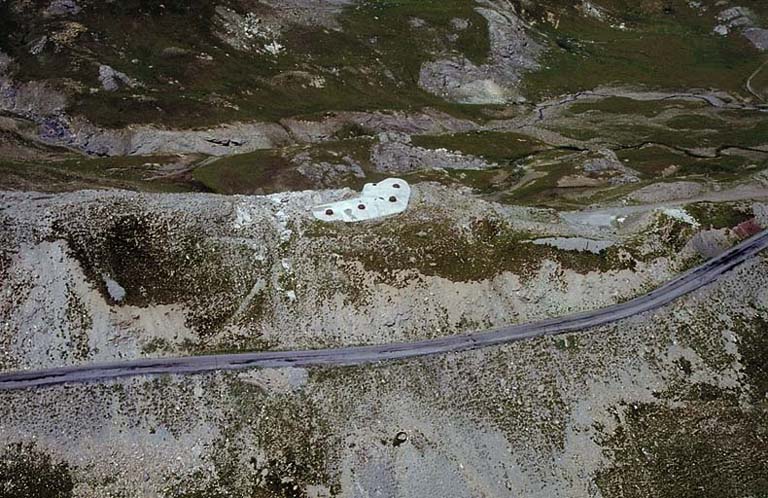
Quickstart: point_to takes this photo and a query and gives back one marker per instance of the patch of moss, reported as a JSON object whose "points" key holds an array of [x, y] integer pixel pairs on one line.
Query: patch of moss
{"points": [[753, 348], [694, 122], [719, 214], [159, 260], [653, 160], [568, 343], [480, 251], [700, 449], [624, 105], [26, 471]]}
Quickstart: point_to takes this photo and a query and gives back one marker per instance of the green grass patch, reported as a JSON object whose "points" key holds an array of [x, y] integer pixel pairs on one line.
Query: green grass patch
{"points": [[719, 214], [259, 172], [625, 105], [654, 160], [695, 122], [129, 173]]}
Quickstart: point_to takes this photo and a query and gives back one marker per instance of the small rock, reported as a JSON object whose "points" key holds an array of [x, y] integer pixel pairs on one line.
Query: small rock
{"points": [[111, 80]]}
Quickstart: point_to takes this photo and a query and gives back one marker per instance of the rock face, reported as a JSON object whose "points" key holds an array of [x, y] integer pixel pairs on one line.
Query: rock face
{"points": [[32, 100], [63, 8], [396, 154], [512, 52], [758, 37], [744, 20], [145, 140]]}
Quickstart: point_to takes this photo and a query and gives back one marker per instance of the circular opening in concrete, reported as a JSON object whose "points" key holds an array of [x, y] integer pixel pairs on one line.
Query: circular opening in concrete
{"points": [[329, 212], [400, 438], [361, 206], [392, 199]]}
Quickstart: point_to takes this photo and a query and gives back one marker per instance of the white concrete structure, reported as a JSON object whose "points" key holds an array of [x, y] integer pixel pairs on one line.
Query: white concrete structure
{"points": [[377, 200]]}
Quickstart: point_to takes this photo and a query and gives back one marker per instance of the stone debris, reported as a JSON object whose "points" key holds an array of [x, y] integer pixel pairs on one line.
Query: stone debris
{"points": [[681, 215], [5, 62], [758, 37], [459, 24], [575, 244], [592, 10], [761, 213], [377, 200], [710, 243]]}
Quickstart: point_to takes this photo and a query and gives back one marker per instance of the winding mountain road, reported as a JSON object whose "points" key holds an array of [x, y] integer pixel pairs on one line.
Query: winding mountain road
{"points": [[356, 355]]}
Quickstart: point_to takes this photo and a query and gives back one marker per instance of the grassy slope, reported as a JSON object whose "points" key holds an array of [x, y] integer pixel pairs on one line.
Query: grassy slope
{"points": [[373, 62], [130, 173], [669, 46]]}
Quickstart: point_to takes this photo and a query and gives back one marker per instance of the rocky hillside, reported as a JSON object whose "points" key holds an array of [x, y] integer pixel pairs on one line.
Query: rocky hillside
{"points": [[82, 71], [658, 404]]}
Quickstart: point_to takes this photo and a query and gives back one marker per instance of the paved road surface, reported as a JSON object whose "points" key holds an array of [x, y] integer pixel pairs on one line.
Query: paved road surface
{"points": [[355, 355]]}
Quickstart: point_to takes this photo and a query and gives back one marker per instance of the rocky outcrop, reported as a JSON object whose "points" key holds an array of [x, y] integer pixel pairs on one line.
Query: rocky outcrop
{"points": [[512, 51], [396, 154], [62, 8], [324, 173], [427, 121], [606, 163], [32, 100], [758, 37], [247, 32], [744, 20], [307, 12]]}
